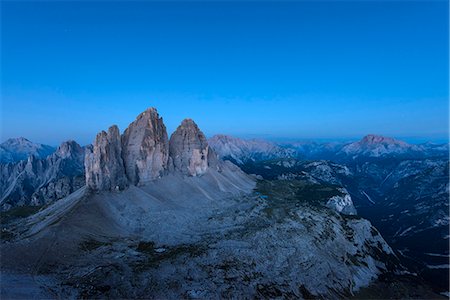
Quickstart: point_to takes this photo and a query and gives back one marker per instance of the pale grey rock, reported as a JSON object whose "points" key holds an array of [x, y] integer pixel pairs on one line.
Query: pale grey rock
{"points": [[189, 150], [145, 148], [104, 166], [342, 203]]}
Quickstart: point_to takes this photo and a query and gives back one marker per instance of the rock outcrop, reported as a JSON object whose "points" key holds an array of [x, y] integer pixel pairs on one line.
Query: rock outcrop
{"points": [[342, 203], [103, 162], [189, 150], [145, 148], [143, 153], [38, 181]]}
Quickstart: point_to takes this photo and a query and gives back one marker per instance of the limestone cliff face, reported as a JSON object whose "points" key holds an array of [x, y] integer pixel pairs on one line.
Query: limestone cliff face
{"points": [[113, 162], [145, 148], [189, 150], [103, 162]]}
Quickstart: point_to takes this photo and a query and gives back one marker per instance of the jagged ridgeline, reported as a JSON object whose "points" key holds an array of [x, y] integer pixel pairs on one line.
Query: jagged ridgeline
{"points": [[36, 181], [144, 153], [167, 219]]}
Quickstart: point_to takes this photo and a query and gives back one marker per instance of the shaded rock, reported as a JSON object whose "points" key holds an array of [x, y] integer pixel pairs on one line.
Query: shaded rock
{"points": [[145, 148], [38, 181], [103, 162], [189, 149], [56, 189]]}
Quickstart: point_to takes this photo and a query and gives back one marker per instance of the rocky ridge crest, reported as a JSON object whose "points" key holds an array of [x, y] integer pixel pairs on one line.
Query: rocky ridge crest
{"points": [[144, 153], [37, 181]]}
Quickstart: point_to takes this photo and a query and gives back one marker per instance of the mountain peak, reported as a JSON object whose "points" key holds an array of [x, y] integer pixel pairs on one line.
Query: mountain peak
{"points": [[69, 148], [145, 147], [148, 113], [21, 138], [189, 149], [15, 149], [103, 162], [188, 122], [378, 146], [143, 153], [376, 139], [18, 141]]}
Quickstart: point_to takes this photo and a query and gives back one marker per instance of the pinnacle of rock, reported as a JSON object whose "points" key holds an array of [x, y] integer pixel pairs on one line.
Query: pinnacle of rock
{"points": [[103, 162], [145, 148], [189, 149]]}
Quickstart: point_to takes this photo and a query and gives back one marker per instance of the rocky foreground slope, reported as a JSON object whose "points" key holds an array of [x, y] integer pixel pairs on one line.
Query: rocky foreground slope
{"points": [[402, 189], [165, 218]]}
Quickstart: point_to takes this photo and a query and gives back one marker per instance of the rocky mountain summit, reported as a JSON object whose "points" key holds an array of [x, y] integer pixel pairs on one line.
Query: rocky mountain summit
{"points": [[143, 153], [105, 169], [189, 151], [377, 146], [17, 149], [145, 148], [40, 181]]}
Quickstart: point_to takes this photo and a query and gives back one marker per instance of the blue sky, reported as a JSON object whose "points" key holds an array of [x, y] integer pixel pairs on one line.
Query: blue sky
{"points": [[306, 70]]}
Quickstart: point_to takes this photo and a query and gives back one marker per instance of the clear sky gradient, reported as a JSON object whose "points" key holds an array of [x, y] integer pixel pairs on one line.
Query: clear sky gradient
{"points": [[302, 70]]}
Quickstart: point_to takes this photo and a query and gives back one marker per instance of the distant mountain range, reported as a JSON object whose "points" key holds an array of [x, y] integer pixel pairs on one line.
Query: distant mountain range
{"points": [[247, 150], [38, 181], [369, 147], [16, 149], [241, 150]]}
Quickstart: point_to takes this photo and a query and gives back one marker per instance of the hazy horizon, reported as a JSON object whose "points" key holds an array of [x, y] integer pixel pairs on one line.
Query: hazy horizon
{"points": [[289, 70], [275, 139]]}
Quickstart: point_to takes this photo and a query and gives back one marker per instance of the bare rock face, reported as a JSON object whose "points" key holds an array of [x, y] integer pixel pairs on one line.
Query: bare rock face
{"points": [[189, 150], [145, 148], [39, 181], [103, 162]]}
